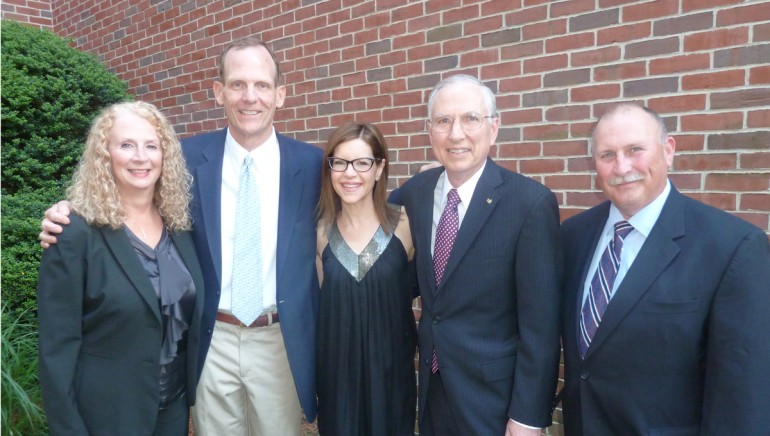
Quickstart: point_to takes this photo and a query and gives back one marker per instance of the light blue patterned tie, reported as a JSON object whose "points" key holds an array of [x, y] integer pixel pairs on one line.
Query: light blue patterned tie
{"points": [[247, 249]]}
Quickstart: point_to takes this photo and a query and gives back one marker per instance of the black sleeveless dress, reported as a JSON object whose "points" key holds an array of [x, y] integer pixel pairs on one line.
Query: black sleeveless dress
{"points": [[366, 340]]}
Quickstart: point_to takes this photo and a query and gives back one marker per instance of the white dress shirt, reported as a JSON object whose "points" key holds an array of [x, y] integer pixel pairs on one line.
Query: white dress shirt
{"points": [[267, 169]]}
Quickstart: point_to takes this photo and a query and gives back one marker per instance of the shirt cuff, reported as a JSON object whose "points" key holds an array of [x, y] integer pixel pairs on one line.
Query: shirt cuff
{"points": [[525, 425]]}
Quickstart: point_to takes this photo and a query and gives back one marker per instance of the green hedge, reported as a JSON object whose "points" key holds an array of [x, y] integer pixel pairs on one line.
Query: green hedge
{"points": [[50, 94]]}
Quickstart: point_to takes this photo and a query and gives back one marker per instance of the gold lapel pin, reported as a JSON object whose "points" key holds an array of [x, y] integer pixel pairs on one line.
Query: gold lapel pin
{"points": [[489, 201]]}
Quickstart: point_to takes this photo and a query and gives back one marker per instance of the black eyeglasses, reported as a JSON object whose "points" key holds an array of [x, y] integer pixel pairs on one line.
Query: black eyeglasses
{"points": [[468, 121], [360, 165]]}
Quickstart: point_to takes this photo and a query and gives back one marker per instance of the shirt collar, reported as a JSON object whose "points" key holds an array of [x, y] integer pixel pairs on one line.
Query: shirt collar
{"points": [[644, 220], [465, 191], [264, 156]]}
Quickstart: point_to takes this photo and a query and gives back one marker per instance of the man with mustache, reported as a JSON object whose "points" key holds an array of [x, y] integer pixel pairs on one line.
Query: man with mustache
{"points": [[665, 328]]}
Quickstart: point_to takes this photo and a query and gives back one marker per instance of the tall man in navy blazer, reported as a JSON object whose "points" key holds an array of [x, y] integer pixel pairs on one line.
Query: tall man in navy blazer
{"points": [[493, 319], [255, 379], [683, 347]]}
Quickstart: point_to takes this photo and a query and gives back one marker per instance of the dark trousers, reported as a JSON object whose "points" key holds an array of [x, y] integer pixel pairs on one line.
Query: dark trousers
{"points": [[173, 420], [438, 419]]}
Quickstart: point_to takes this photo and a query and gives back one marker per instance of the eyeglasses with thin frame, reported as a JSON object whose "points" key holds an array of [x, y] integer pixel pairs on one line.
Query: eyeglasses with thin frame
{"points": [[468, 121], [360, 165]]}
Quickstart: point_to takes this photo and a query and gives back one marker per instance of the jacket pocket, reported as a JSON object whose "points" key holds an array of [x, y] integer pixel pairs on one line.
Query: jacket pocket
{"points": [[498, 369]]}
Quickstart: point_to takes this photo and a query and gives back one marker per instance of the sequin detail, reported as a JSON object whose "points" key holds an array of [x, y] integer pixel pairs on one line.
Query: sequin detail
{"points": [[358, 264]]}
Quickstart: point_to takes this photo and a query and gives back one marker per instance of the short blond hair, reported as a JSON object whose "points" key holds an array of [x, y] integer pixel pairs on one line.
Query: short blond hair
{"points": [[93, 193]]}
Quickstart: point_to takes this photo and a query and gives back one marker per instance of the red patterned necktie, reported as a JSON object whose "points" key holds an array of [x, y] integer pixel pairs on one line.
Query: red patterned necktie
{"points": [[601, 286]]}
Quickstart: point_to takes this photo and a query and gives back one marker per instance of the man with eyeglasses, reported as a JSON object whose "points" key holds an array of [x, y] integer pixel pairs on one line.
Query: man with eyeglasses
{"points": [[489, 266]]}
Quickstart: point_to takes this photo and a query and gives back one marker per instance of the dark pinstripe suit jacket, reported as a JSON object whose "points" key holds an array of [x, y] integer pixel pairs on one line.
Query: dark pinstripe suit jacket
{"points": [[494, 320]]}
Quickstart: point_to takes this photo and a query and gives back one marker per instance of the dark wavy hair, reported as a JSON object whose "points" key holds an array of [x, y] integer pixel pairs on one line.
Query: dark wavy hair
{"points": [[329, 204]]}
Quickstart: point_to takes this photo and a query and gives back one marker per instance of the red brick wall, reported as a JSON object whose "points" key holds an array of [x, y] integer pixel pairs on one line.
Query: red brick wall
{"points": [[33, 12], [705, 65]]}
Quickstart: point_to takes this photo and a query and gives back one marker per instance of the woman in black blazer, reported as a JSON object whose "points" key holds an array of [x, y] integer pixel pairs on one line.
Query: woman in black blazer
{"points": [[120, 295]]}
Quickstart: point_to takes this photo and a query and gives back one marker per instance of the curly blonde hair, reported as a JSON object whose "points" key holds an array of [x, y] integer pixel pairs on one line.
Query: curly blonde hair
{"points": [[93, 193]]}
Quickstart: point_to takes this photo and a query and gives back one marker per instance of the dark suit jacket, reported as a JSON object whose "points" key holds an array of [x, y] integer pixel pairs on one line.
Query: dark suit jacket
{"points": [[297, 282], [101, 332], [684, 346], [494, 321]]}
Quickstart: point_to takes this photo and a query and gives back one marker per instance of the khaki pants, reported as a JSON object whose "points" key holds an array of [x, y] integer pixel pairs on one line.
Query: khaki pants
{"points": [[246, 387]]}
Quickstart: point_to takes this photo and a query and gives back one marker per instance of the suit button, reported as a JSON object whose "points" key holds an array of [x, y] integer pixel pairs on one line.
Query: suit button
{"points": [[584, 376], [436, 319]]}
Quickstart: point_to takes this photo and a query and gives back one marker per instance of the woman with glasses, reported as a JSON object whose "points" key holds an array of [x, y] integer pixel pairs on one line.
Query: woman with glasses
{"points": [[366, 331]]}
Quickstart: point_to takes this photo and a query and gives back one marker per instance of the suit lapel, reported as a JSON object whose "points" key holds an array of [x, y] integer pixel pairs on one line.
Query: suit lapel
{"points": [[290, 197], [209, 177], [658, 251], [126, 257], [424, 226], [484, 201]]}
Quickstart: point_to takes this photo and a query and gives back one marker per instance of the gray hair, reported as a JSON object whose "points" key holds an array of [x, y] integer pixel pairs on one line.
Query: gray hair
{"points": [[488, 95], [625, 107]]}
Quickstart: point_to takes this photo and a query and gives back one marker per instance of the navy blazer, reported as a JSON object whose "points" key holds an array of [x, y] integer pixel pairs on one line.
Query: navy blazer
{"points": [[684, 346], [101, 332], [494, 321], [297, 282]]}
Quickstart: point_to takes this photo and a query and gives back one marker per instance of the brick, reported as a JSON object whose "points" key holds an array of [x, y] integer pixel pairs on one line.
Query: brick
{"points": [[580, 130], [545, 63], [624, 33], [551, 131], [648, 10], [761, 32], [594, 57], [654, 47], [758, 202], [758, 140], [565, 148], [543, 29], [719, 200], [569, 42], [595, 92], [538, 166], [545, 98], [522, 50], [741, 99], [712, 121], [643, 87], [459, 45], [567, 78], [678, 64], [378, 47], [683, 24], [519, 150], [732, 182], [479, 57], [692, 5], [716, 38], [705, 162], [460, 14], [521, 116], [445, 33], [585, 199], [746, 14], [568, 181], [759, 75], [758, 118], [718, 80], [594, 20], [750, 55], [686, 181], [526, 15], [572, 7], [508, 134], [678, 103], [625, 71], [423, 81], [483, 25], [500, 70], [501, 37], [379, 74]]}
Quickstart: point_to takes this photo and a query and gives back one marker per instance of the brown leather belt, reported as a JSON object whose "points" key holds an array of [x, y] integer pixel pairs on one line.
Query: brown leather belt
{"points": [[262, 321]]}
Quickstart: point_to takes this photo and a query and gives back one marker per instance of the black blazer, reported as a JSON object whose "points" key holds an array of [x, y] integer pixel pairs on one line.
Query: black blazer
{"points": [[684, 346], [494, 321], [101, 333]]}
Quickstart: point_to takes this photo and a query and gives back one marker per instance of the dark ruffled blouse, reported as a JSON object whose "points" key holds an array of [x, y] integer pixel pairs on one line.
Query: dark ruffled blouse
{"points": [[176, 295]]}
